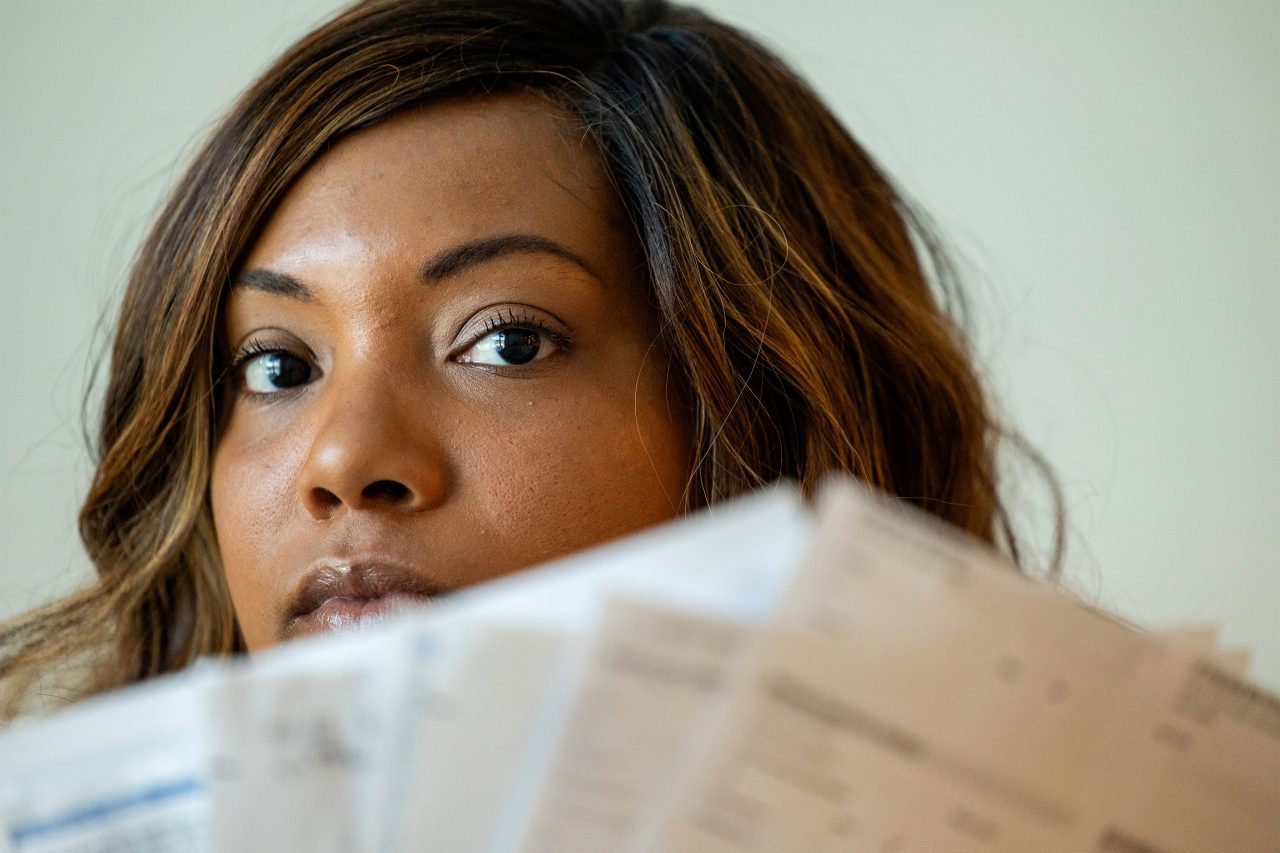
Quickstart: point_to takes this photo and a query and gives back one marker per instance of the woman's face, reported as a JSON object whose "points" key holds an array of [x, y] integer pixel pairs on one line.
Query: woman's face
{"points": [[447, 370]]}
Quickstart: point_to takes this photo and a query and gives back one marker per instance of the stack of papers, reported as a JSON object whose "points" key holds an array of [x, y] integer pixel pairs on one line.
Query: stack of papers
{"points": [[761, 676]]}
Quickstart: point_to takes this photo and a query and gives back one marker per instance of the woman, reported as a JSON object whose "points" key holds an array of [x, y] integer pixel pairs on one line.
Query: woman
{"points": [[457, 287]]}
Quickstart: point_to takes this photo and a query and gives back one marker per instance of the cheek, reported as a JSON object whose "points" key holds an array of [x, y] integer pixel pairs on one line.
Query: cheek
{"points": [[579, 471], [251, 491]]}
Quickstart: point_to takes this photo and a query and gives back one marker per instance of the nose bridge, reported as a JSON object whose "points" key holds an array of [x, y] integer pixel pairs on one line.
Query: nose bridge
{"points": [[372, 446]]}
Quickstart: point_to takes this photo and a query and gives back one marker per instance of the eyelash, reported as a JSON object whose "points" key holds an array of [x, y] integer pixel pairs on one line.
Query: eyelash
{"points": [[234, 374], [251, 349], [499, 323]]}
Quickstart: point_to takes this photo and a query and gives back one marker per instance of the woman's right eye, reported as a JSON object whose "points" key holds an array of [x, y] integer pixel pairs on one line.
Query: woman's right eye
{"points": [[274, 371]]}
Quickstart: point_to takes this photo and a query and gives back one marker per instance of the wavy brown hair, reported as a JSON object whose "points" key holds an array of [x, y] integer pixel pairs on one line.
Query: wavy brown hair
{"points": [[802, 301]]}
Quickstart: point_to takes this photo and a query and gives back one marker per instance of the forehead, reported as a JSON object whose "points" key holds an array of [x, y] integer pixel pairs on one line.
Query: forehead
{"points": [[434, 175]]}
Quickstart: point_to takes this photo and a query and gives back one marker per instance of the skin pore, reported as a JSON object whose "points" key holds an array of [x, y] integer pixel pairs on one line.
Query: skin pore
{"points": [[446, 369]]}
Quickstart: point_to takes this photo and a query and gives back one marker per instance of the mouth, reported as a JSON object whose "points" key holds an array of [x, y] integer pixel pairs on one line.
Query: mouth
{"points": [[354, 594]]}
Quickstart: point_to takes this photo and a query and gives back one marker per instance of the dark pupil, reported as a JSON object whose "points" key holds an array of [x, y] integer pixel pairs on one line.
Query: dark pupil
{"points": [[518, 346], [286, 371]]}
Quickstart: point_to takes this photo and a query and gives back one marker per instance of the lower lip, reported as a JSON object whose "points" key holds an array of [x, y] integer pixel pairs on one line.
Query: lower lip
{"points": [[355, 614]]}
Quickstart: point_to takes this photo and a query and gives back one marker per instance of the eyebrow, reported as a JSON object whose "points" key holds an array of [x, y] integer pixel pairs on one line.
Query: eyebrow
{"points": [[450, 262], [275, 283]]}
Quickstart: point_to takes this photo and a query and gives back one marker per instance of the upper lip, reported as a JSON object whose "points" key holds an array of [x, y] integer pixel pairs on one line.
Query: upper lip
{"points": [[358, 579]]}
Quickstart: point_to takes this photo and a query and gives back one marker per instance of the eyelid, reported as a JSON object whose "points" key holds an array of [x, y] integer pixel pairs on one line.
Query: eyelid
{"points": [[497, 318], [272, 338], [254, 345]]}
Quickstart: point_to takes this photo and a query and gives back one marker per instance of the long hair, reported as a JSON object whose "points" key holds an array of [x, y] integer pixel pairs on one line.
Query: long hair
{"points": [[801, 300]]}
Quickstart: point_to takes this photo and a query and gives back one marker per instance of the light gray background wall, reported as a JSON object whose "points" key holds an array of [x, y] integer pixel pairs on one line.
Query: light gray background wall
{"points": [[1108, 169]]}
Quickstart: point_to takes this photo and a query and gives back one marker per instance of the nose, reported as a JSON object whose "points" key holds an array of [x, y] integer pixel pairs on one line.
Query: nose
{"points": [[372, 451]]}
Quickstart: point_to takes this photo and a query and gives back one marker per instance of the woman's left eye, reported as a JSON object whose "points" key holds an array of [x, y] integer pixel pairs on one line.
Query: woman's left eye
{"points": [[511, 346]]}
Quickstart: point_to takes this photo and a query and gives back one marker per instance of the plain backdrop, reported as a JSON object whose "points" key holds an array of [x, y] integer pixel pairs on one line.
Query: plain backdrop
{"points": [[1108, 172]]}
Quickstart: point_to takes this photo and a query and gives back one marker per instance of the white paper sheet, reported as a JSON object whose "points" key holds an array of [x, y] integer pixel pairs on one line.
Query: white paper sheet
{"points": [[469, 735], [743, 680], [124, 772], [917, 695], [654, 675], [282, 745]]}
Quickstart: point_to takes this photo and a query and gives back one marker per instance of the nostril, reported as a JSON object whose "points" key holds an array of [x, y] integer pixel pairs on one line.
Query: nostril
{"points": [[385, 490], [323, 499]]}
